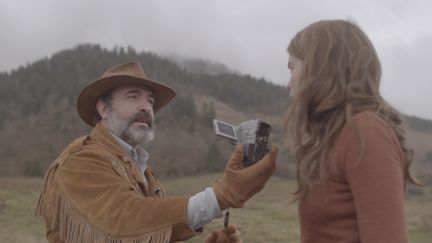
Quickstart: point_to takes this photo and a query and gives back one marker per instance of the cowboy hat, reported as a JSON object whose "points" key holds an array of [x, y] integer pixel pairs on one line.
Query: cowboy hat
{"points": [[129, 73]]}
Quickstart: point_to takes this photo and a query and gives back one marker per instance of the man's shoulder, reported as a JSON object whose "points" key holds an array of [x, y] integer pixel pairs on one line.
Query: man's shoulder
{"points": [[84, 150], [76, 145]]}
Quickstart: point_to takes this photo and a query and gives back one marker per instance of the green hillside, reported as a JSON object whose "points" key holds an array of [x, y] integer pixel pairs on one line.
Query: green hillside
{"points": [[38, 117]]}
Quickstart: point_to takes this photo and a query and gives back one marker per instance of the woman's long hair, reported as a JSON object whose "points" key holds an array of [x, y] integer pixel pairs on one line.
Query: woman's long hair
{"points": [[340, 77]]}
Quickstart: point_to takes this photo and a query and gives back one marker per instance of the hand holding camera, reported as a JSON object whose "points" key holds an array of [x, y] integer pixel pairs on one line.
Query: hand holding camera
{"points": [[241, 183]]}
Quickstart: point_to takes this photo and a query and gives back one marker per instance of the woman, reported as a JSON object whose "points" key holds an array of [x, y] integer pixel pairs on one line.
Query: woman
{"points": [[352, 162]]}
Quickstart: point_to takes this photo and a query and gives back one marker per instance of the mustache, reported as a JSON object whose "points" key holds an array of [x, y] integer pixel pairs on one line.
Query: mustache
{"points": [[143, 116]]}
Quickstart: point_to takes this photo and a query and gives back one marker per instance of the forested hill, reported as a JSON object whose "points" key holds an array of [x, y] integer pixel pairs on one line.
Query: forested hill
{"points": [[38, 114], [38, 110]]}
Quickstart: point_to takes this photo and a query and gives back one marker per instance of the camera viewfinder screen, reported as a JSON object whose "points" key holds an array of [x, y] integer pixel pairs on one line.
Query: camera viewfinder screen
{"points": [[226, 129]]}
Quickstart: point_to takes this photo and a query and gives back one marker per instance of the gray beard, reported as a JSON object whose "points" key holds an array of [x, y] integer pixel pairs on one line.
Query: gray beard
{"points": [[123, 129]]}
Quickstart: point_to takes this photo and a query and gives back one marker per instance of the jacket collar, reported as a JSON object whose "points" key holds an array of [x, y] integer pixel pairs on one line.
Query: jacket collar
{"points": [[103, 137]]}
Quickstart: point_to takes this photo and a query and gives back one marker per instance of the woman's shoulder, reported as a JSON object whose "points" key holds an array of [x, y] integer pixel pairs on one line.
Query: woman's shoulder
{"points": [[366, 135], [367, 118], [365, 126], [367, 121]]}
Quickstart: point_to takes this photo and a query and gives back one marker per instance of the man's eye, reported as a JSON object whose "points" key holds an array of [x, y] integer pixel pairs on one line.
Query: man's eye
{"points": [[132, 97]]}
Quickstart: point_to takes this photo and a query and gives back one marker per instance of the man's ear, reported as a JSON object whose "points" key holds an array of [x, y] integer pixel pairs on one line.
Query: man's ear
{"points": [[102, 109]]}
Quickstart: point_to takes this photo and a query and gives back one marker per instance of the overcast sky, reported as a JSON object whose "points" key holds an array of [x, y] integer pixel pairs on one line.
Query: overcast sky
{"points": [[250, 36]]}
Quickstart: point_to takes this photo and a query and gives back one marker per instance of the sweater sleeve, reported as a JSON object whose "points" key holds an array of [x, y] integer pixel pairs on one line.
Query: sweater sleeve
{"points": [[104, 202], [373, 168]]}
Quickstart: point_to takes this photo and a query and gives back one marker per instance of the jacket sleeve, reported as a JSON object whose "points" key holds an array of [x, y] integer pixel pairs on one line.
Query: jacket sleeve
{"points": [[374, 170], [99, 201]]}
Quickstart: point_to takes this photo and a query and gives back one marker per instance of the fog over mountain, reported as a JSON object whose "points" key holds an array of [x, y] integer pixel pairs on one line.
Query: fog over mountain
{"points": [[247, 35]]}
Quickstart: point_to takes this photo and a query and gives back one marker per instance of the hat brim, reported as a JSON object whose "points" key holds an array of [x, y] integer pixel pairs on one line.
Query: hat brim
{"points": [[89, 96]]}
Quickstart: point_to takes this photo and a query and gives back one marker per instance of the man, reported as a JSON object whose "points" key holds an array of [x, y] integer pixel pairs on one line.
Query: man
{"points": [[101, 188]]}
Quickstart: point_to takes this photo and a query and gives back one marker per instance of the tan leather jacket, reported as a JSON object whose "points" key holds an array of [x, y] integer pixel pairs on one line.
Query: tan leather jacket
{"points": [[93, 193]]}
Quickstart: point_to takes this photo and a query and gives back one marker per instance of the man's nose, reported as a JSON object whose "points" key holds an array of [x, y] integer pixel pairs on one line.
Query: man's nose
{"points": [[145, 106]]}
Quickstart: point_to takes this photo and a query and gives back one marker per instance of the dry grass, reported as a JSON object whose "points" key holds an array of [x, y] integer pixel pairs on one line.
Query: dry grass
{"points": [[268, 217], [17, 223]]}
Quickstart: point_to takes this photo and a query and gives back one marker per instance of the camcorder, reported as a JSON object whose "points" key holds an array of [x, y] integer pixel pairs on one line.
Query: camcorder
{"points": [[253, 134]]}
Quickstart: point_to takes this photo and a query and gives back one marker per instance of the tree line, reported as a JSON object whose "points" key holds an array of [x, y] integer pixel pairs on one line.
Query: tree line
{"points": [[38, 115]]}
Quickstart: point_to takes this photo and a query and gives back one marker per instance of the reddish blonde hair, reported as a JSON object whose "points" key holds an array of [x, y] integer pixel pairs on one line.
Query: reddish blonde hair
{"points": [[340, 77]]}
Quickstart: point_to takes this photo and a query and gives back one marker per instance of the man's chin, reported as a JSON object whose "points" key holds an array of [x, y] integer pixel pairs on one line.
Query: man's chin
{"points": [[141, 135], [148, 137]]}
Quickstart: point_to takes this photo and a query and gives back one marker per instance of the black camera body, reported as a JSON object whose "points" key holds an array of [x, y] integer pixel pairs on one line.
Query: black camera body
{"points": [[253, 134], [256, 151]]}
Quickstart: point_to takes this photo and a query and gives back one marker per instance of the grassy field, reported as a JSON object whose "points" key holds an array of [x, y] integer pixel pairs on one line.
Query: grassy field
{"points": [[268, 217]]}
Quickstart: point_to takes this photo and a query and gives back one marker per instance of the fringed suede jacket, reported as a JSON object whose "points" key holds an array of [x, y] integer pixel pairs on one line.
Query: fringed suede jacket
{"points": [[93, 193]]}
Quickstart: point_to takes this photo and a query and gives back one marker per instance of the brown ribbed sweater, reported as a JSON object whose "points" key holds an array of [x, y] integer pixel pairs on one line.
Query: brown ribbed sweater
{"points": [[363, 198]]}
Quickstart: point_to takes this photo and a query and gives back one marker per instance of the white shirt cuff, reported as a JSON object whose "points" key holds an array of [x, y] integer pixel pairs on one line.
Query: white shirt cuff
{"points": [[202, 208]]}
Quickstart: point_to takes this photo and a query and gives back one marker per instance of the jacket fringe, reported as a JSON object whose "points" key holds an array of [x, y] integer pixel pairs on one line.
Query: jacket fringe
{"points": [[41, 206], [70, 224], [73, 227]]}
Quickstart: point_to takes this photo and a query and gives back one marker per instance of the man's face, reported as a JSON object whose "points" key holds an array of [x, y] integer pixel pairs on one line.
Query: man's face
{"points": [[129, 114]]}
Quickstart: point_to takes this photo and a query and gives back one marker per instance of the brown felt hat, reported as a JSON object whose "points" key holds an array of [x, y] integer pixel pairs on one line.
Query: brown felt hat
{"points": [[129, 73]]}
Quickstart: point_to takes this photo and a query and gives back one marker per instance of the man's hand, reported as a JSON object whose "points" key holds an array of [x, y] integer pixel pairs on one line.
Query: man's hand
{"points": [[225, 235], [240, 183]]}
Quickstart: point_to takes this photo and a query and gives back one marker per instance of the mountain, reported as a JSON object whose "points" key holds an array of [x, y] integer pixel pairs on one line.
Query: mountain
{"points": [[38, 115]]}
